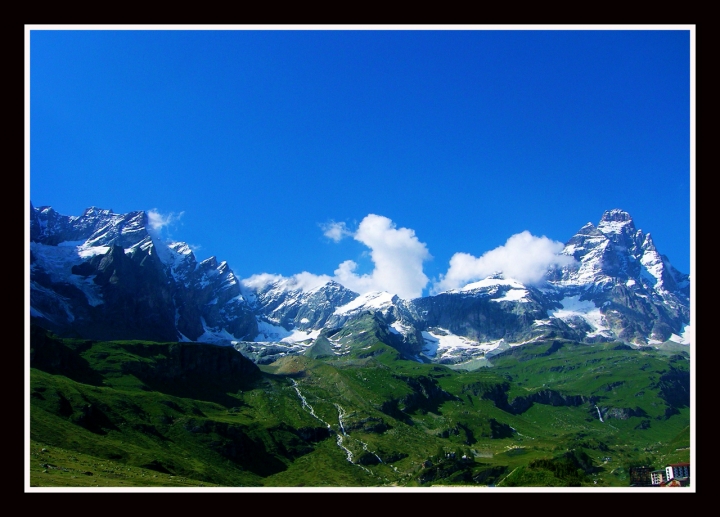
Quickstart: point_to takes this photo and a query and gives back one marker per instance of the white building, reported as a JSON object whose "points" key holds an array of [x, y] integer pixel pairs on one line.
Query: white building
{"points": [[677, 470], [657, 476]]}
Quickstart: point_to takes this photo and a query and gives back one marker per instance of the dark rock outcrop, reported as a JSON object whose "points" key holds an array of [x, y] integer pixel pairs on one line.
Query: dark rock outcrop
{"points": [[189, 362], [519, 405]]}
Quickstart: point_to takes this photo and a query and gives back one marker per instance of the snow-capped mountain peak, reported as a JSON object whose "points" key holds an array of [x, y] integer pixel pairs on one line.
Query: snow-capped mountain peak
{"points": [[103, 275], [616, 221], [621, 271]]}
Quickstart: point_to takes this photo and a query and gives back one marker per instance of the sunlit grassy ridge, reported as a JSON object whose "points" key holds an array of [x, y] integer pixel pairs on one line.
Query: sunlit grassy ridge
{"points": [[180, 414]]}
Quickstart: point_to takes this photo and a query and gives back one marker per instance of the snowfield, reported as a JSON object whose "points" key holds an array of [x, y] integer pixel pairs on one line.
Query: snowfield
{"points": [[573, 307], [374, 300], [441, 342]]}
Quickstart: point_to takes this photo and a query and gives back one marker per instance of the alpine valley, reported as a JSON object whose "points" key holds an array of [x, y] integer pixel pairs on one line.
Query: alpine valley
{"points": [[149, 368]]}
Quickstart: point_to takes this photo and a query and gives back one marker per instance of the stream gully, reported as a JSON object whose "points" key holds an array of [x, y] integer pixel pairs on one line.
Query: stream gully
{"points": [[340, 436]]}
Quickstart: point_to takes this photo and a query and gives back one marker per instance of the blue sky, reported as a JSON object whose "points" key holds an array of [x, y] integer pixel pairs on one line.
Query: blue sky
{"points": [[388, 151]]}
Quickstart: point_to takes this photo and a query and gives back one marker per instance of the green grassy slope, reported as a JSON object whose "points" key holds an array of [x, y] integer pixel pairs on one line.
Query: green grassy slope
{"points": [[180, 414]]}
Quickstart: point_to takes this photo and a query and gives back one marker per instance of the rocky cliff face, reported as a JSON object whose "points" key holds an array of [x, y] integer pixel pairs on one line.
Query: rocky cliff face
{"points": [[103, 276], [284, 303], [487, 314]]}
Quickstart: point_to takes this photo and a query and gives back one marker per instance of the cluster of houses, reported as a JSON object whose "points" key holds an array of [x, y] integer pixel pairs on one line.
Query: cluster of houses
{"points": [[676, 474]]}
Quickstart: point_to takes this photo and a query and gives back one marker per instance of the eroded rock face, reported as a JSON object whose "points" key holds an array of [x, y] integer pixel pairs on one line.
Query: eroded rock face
{"points": [[480, 316], [103, 276], [137, 299], [293, 307]]}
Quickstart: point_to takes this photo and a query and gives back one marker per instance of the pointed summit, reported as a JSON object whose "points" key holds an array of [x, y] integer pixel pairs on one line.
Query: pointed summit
{"points": [[615, 215], [641, 298], [616, 221]]}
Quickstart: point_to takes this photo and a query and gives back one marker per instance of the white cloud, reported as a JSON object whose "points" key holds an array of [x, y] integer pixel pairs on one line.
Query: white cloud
{"points": [[336, 231], [345, 275], [524, 257], [308, 281], [304, 281], [260, 280], [398, 256], [157, 222]]}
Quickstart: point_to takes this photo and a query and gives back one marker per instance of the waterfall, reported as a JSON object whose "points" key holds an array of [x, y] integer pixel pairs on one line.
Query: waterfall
{"points": [[599, 415]]}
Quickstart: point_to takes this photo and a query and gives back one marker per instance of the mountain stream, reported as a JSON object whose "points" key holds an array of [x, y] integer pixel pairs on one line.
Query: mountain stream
{"points": [[340, 436]]}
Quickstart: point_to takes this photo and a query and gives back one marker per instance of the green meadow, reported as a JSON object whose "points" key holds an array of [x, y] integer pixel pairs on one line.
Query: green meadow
{"points": [[142, 414]]}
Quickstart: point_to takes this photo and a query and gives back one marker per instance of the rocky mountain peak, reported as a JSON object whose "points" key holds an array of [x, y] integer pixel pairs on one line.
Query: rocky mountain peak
{"points": [[94, 211], [102, 274], [209, 263], [615, 215], [616, 221]]}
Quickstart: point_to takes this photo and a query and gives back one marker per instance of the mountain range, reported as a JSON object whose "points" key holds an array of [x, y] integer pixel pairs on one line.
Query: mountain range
{"points": [[106, 276]]}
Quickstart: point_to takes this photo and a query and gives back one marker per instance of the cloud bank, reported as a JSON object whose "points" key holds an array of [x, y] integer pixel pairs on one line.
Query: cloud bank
{"points": [[524, 257], [304, 281], [397, 254]]}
